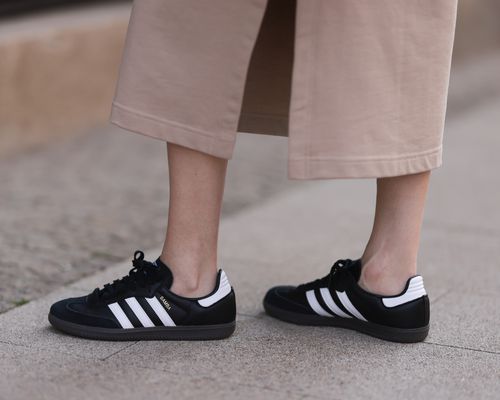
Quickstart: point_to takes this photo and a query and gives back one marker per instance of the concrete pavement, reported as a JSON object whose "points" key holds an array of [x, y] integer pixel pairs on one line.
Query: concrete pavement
{"points": [[291, 237]]}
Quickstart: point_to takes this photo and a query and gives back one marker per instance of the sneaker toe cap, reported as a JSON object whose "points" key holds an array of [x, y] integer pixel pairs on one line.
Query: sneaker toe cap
{"points": [[77, 311], [287, 298]]}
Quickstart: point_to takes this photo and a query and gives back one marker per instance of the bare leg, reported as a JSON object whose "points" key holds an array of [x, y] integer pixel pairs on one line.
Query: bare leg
{"points": [[196, 190], [390, 257]]}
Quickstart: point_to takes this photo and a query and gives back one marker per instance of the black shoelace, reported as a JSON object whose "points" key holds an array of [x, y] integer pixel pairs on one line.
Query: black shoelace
{"points": [[142, 273], [338, 267]]}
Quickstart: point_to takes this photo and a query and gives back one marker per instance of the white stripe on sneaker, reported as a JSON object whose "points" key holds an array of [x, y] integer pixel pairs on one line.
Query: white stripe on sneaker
{"points": [[222, 291], [334, 308], [344, 299], [120, 316], [415, 290], [139, 312], [313, 303], [160, 311]]}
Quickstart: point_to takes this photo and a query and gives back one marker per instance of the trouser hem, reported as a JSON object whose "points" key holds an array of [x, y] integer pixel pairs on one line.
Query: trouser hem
{"points": [[170, 131], [307, 168]]}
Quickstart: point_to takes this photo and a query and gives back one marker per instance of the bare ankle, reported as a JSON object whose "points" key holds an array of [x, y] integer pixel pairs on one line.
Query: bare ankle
{"points": [[193, 287], [192, 278], [385, 277]]}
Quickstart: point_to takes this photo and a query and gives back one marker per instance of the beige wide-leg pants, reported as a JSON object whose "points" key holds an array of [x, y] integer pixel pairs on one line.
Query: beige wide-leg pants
{"points": [[358, 86]]}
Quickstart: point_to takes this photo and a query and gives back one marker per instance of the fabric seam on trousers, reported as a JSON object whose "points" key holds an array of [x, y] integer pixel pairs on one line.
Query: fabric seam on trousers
{"points": [[311, 78], [335, 169], [369, 159]]}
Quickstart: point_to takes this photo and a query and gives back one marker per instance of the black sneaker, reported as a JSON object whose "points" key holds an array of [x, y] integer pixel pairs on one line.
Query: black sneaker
{"points": [[338, 300], [140, 306]]}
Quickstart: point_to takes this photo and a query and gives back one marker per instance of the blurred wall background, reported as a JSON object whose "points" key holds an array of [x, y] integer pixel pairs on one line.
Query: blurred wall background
{"points": [[478, 29], [59, 64], [58, 68]]}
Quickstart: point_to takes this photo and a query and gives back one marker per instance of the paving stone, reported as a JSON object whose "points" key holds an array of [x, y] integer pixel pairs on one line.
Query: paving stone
{"points": [[263, 356], [280, 229], [465, 192], [27, 326], [460, 261], [325, 362], [42, 374], [467, 318]]}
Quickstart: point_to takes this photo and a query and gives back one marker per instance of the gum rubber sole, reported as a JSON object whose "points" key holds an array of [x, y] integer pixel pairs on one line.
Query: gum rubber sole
{"points": [[379, 331], [189, 332]]}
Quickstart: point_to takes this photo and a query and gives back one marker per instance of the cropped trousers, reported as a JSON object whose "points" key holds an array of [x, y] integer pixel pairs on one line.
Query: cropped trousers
{"points": [[359, 87]]}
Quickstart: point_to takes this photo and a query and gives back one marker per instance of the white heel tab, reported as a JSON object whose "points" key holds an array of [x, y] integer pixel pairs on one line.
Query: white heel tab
{"points": [[414, 291], [223, 289]]}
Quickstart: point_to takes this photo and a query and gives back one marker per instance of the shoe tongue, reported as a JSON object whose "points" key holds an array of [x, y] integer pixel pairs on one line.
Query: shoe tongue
{"points": [[352, 268], [164, 271], [355, 269]]}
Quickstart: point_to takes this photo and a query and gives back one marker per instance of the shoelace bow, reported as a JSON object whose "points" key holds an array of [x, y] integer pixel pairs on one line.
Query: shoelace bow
{"points": [[338, 266], [138, 276]]}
